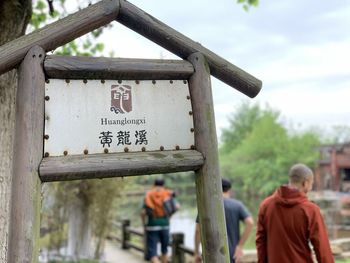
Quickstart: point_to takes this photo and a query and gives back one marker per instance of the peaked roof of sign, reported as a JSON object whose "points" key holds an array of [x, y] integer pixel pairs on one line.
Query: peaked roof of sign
{"points": [[86, 20]]}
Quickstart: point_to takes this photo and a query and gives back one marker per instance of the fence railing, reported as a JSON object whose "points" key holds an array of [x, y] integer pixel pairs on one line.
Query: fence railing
{"points": [[125, 235]]}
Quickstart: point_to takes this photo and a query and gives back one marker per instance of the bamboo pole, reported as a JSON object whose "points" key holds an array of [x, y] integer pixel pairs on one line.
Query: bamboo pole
{"points": [[208, 180]]}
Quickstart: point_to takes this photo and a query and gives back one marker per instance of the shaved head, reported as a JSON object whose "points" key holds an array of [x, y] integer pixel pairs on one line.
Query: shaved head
{"points": [[298, 173]]}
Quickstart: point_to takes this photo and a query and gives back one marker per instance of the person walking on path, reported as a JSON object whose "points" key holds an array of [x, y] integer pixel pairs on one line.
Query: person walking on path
{"points": [[159, 204], [235, 212], [288, 222]]}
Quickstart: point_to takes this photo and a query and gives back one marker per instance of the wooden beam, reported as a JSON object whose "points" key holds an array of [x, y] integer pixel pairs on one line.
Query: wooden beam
{"points": [[208, 180], [59, 33], [28, 151], [172, 40], [118, 164], [67, 67]]}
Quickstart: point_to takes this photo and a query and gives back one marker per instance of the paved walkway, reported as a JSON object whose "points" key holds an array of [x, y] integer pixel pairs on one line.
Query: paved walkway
{"points": [[114, 254]]}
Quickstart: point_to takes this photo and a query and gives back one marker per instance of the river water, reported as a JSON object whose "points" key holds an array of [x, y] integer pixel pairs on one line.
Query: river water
{"points": [[184, 222]]}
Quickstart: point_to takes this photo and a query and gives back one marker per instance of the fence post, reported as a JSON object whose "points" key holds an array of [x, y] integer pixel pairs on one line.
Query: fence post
{"points": [[145, 247], [177, 254], [125, 234]]}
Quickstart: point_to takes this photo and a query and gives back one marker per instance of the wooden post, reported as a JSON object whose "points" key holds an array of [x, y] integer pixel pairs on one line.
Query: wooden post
{"points": [[125, 234], [28, 152], [208, 180], [177, 254], [145, 246]]}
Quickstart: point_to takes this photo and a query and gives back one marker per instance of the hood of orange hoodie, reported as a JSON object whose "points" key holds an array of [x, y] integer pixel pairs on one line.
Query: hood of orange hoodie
{"points": [[289, 197]]}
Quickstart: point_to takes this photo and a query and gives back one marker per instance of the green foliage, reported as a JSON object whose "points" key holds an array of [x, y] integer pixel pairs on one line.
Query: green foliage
{"points": [[263, 151], [105, 197], [342, 261], [84, 46], [247, 3], [102, 198], [55, 239], [241, 124]]}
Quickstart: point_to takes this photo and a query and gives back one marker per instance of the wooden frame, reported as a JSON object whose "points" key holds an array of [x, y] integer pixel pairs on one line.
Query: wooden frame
{"points": [[204, 161], [25, 207], [118, 164], [66, 67], [170, 39], [100, 14]]}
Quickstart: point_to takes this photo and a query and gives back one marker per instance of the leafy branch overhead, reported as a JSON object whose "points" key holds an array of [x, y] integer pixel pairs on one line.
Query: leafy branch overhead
{"points": [[247, 3], [48, 11]]}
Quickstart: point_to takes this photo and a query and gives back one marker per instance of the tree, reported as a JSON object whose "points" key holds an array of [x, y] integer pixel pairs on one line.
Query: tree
{"points": [[14, 17], [261, 159], [241, 124]]}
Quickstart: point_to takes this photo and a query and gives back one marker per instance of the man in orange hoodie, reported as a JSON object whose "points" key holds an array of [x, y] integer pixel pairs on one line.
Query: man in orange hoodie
{"points": [[288, 221]]}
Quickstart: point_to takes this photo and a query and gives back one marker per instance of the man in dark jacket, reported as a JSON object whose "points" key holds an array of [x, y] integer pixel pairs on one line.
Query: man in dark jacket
{"points": [[235, 213], [288, 221]]}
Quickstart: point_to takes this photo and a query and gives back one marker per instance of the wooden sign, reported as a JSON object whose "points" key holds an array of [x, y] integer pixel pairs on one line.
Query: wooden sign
{"points": [[97, 116]]}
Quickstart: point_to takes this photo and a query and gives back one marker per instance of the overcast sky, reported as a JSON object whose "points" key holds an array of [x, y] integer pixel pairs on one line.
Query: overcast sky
{"points": [[298, 48]]}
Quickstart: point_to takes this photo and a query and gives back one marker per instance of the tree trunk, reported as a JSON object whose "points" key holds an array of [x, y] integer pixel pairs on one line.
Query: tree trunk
{"points": [[79, 229], [14, 17]]}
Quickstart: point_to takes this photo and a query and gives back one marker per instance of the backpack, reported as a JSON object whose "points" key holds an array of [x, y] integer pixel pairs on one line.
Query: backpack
{"points": [[160, 202], [170, 206]]}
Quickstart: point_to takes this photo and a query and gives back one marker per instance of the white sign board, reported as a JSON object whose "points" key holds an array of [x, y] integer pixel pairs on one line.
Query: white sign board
{"points": [[109, 116]]}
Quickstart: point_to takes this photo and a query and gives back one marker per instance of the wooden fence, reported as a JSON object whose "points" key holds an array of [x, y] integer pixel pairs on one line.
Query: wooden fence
{"points": [[125, 234]]}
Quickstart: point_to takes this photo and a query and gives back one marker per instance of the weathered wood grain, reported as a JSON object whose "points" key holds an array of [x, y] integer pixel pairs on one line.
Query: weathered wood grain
{"points": [[67, 67], [28, 151], [59, 33], [165, 36], [118, 164], [208, 180]]}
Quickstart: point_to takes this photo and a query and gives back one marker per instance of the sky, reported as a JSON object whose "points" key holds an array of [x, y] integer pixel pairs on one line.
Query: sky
{"points": [[299, 49]]}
